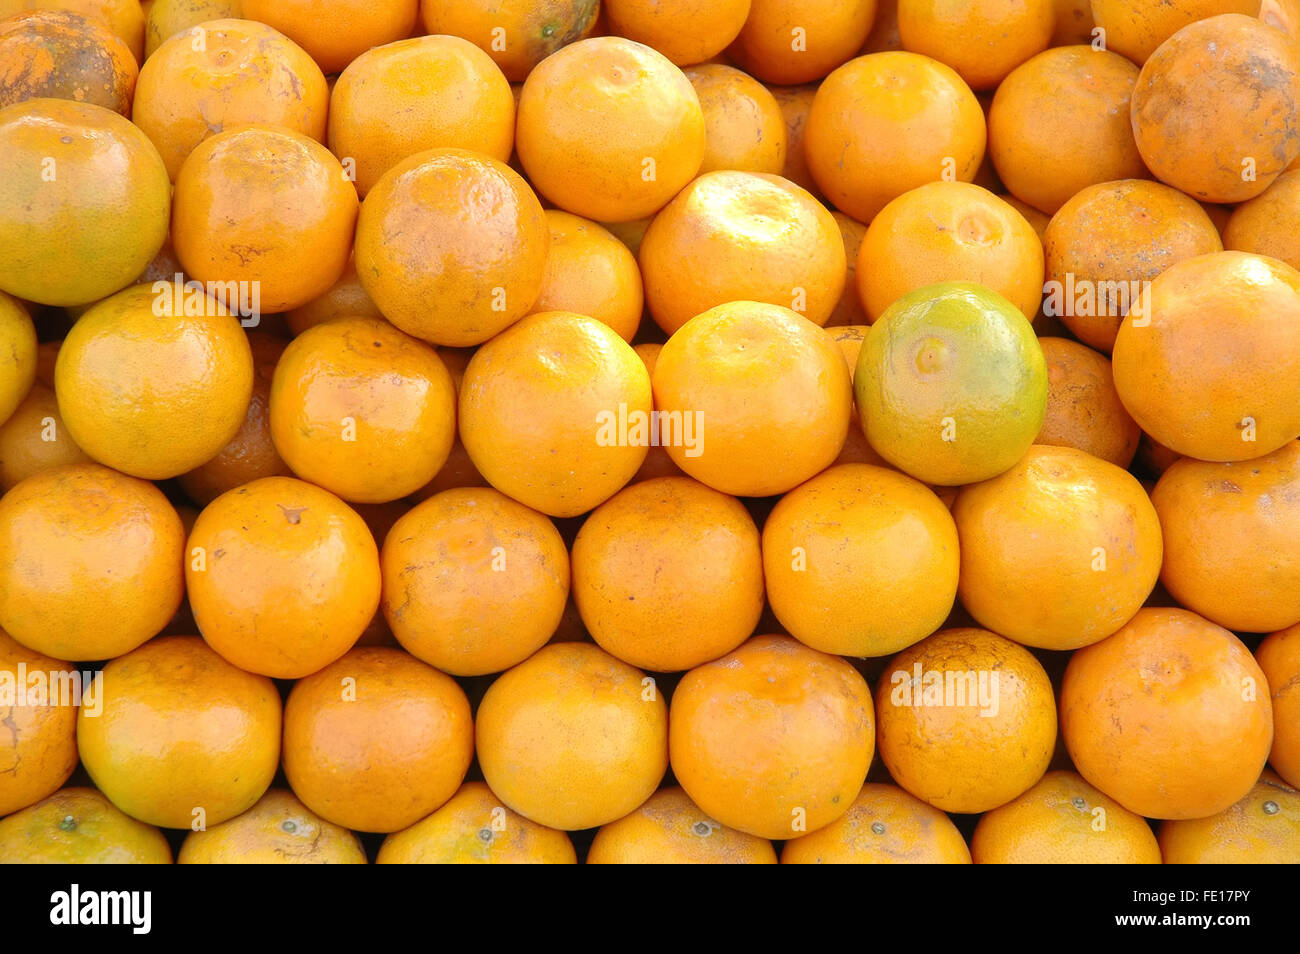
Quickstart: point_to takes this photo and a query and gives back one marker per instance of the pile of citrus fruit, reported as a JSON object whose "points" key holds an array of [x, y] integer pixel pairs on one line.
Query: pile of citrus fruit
{"points": [[649, 431]]}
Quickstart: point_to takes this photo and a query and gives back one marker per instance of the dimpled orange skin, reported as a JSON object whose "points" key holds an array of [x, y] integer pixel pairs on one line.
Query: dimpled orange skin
{"points": [[533, 29], [38, 729], [1219, 92], [1266, 224], [429, 92], [1261, 829], [451, 245], [886, 123], [124, 17], [956, 757], [78, 825], [685, 31], [742, 236], [24, 450], [92, 228], [278, 830], [982, 41], [1134, 28], [90, 562], [671, 829], [668, 574], [1162, 717], [245, 73], [885, 825], [862, 529], [335, 32], [744, 127], [1279, 657], [609, 129], [1083, 407], [1220, 344], [346, 298], [19, 356], [572, 738], [798, 41], [123, 413], [377, 740], [539, 409], [590, 272], [181, 729], [1230, 532], [769, 394], [282, 576], [67, 56], [290, 233]]}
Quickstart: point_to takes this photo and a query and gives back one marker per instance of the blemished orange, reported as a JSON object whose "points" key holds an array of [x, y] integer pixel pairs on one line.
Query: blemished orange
{"points": [[573, 738], [886, 826], [33, 439], [473, 582], [874, 533], [1062, 821], [124, 17], [222, 74], [183, 736], [1211, 108], [609, 129], [744, 128], [1060, 123], [529, 30], [429, 92], [377, 740], [335, 32], [886, 123], [949, 231], [165, 18], [90, 562], [762, 395], [1083, 407], [670, 829], [1074, 23], [1134, 28], [1230, 532], [1170, 716], [38, 726], [685, 31], [451, 245], [474, 828], [1059, 551], [66, 56], [19, 356], [278, 830], [1279, 658], [798, 41], [795, 103], [982, 41], [773, 739], [668, 574], [555, 412], [590, 272], [1109, 239], [966, 720], [1266, 224], [1263, 828], [346, 298], [1211, 368], [78, 825], [83, 201], [848, 310], [126, 415], [282, 576]]}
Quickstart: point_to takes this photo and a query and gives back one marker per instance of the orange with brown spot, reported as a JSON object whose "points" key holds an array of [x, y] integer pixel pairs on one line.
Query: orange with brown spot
{"points": [[62, 55]]}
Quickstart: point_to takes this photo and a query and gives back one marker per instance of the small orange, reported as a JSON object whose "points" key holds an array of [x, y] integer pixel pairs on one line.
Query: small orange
{"points": [[34, 439], [38, 725], [590, 272], [1135, 28], [1279, 658], [346, 298], [744, 128], [670, 829], [849, 310], [1035, 218], [850, 339], [165, 18], [982, 41], [1261, 829], [19, 356], [336, 32], [517, 34], [66, 56], [278, 830], [657, 462], [124, 17], [798, 41], [78, 825], [1266, 224], [685, 31], [885, 825], [795, 103], [1083, 407]]}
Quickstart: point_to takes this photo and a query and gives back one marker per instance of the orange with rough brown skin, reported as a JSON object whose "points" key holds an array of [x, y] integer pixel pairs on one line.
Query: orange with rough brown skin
{"points": [[34, 439], [799, 41], [1266, 224], [531, 29], [124, 17], [78, 825], [65, 56], [744, 128], [685, 31], [38, 726], [278, 830], [982, 41], [590, 272], [335, 32], [671, 829], [1135, 28], [1279, 657], [885, 825], [1261, 829]]}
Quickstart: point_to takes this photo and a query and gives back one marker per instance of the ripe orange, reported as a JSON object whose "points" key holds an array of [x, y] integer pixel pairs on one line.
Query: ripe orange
{"points": [[517, 34], [885, 825], [124, 17], [1263, 828], [795, 103], [38, 726], [66, 56], [1279, 658], [79, 825], [657, 462], [671, 829], [590, 272], [848, 310], [798, 41], [18, 356], [346, 298], [849, 339], [1265, 225], [278, 830], [744, 128], [1135, 27], [336, 32], [34, 439], [1083, 407], [165, 18], [982, 41], [685, 31]]}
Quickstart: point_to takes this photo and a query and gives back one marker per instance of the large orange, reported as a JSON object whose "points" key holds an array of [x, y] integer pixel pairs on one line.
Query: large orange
{"points": [[517, 34], [1263, 828], [982, 41], [278, 830], [66, 56], [1083, 407], [1136, 27], [744, 128], [38, 724], [336, 32], [798, 41], [885, 825], [18, 356], [1266, 224], [1279, 657], [670, 829], [592, 273], [78, 825], [33, 439], [124, 17]]}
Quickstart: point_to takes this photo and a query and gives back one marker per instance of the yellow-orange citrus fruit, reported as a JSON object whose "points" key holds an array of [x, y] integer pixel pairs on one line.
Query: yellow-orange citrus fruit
{"points": [[33, 439], [884, 826], [38, 724], [18, 355], [1266, 224], [744, 128], [590, 272], [335, 32], [124, 17], [1279, 657], [346, 298], [1083, 407], [1135, 28], [1263, 828], [798, 41], [517, 34], [982, 41], [278, 830], [165, 18], [685, 31], [78, 825], [671, 829], [66, 56]]}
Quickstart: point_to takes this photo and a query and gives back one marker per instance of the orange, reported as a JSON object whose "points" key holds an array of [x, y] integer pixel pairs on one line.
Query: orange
{"points": [[860, 561], [1230, 532], [517, 34], [742, 236], [124, 17], [282, 576], [1083, 407], [336, 32], [798, 41], [19, 356], [38, 725], [376, 740], [475, 828], [773, 739], [1265, 224], [1135, 28], [430, 92], [657, 462], [83, 201], [967, 720], [1109, 240], [278, 830], [90, 562], [184, 739], [33, 439], [668, 574], [1170, 716], [572, 738], [685, 31], [744, 128], [795, 103], [949, 231], [165, 18], [762, 394], [856, 450], [1063, 820], [1074, 23], [79, 825], [122, 412], [1261, 829], [1060, 122], [885, 825], [1211, 368], [346, 298], [982, 41], [1279, 658], [848, 310], [473, 582], [222, 74], [451, 245], [555, 412], [1211, 110], [609, 129], [66, 56], [670, 829], [1035, 218], [886, 123], [590, 272]]}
